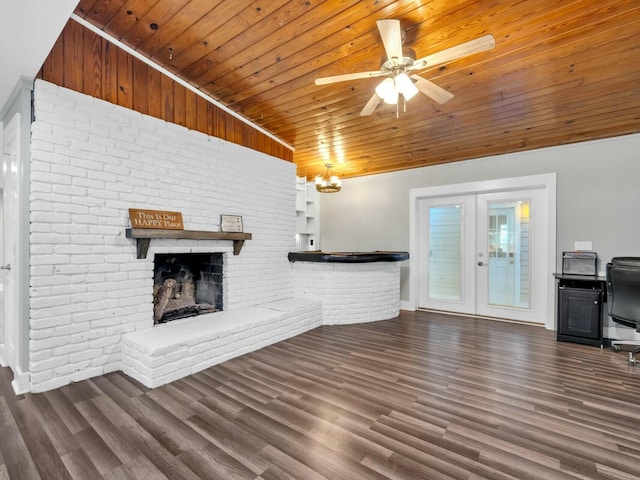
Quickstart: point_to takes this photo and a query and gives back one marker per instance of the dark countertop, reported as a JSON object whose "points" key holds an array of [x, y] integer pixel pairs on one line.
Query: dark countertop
{"points": [[348, 257]]}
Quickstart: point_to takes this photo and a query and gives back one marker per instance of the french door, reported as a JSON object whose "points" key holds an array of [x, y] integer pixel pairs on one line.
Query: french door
{"points": [[484, 254], [447, 250]]}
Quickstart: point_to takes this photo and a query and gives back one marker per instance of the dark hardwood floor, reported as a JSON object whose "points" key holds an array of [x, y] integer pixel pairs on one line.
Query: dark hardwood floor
{"points": [[424, 396]]}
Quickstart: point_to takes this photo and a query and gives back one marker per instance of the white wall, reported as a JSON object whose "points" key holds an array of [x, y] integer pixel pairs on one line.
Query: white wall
{"points": [[598, 197], [90, 162], [31, 28]]}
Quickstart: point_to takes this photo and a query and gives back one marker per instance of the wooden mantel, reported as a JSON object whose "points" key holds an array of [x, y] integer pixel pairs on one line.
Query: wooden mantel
{"points": [[143, 237]]}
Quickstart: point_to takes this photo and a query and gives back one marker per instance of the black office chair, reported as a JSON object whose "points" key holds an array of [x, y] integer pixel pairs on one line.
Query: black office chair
{"points": [[623, 299]]}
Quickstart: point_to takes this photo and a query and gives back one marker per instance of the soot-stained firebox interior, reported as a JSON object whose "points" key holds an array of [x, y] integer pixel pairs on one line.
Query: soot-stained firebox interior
{"points": [[186, 284]]}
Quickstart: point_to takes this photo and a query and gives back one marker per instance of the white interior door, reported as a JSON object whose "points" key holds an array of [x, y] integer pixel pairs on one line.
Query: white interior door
{"points": [[1, 263], [478, 254], [10, 222]]}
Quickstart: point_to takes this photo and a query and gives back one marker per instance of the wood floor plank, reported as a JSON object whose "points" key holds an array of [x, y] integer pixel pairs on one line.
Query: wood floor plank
{"points": [[456, 461], [79, 465], [66, 411], [76, 392], [98, 451], [128, 385], [6, 415], [232, 438], [290, 466], [173, 400], [17, 459], [156, 454], [274, 473], [139, 468], [398, 467], [344, 440], [613, 474], [62, 439], [213, 462], [31, 424], [422, 396], [325, 410], [170, 431], [107, 431]]}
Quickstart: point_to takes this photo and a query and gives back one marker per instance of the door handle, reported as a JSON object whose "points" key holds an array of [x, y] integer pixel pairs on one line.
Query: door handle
{"points": [[480, 264], [6, 267]]}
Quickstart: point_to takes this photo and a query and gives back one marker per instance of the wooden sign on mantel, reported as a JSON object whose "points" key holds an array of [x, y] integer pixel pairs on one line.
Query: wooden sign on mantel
{"points": [[155, 219]]}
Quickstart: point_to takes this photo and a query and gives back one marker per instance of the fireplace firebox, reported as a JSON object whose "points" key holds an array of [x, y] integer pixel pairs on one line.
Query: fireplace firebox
{"points": [[186, 284]]}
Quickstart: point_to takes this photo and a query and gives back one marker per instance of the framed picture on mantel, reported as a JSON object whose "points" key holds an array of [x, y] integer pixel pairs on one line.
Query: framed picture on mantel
{"points": [[231, 223]]}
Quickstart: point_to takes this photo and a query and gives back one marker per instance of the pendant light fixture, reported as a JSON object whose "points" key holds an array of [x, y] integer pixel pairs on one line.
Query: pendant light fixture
{"points": [[327, 182]]}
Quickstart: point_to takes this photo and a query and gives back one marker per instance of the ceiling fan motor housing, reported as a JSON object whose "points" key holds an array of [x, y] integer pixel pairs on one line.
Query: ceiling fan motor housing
{"points": [[393, 66]]}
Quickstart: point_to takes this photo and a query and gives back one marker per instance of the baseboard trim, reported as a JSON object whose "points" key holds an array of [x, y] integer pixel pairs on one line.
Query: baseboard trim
{"points": [[21, 382], [483, 317], [404, 305]]}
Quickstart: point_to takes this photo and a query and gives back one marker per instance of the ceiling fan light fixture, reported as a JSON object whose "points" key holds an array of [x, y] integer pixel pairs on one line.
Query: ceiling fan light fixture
{"points": [[406, 86], [386, 88], [392, 97]]}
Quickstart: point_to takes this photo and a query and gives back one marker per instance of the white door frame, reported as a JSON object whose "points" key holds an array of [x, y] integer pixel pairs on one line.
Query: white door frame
{"points": [[545, 181], [10, 154], [17, 359]]}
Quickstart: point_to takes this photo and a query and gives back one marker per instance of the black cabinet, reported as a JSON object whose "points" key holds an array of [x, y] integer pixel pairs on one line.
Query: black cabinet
{"points": [[580, 309]]}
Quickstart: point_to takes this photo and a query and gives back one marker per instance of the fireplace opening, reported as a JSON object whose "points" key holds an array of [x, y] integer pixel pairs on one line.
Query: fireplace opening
{"points": [[186, 284]]}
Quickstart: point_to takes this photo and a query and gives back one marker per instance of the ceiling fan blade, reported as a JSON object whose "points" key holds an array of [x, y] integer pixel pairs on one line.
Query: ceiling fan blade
{"points": [[481, 44], [432, 90], [371, 105], [347, 76], [391, 37]]}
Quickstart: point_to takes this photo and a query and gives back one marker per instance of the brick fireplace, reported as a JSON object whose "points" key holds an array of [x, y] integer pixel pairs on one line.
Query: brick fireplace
{"points": [[90, 162]]}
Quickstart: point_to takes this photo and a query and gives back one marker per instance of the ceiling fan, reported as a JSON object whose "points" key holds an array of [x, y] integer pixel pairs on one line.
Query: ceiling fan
{"points": [[400, 62]]}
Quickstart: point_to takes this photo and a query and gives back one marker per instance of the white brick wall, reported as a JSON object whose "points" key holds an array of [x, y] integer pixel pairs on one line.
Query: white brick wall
{"points": [[182, 347], [350, 292], [90, 162]]}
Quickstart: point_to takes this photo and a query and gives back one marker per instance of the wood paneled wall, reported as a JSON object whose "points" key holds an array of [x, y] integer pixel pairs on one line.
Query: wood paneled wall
{"points": [[85, 62]]}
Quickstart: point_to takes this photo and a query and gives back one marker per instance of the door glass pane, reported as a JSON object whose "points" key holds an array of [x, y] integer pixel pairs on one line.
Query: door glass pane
{"points": [[509, 267], [445, 240]]}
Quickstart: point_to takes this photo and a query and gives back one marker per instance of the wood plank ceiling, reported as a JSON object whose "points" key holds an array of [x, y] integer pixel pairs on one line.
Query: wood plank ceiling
{"points": [[561, 72]]}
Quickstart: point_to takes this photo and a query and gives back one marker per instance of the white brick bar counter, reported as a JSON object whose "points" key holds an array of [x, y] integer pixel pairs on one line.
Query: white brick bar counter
{"points": [[351, 292]]}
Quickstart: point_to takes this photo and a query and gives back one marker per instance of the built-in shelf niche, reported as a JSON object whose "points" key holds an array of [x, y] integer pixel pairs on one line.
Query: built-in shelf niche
{"points": [[307, 218]]}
